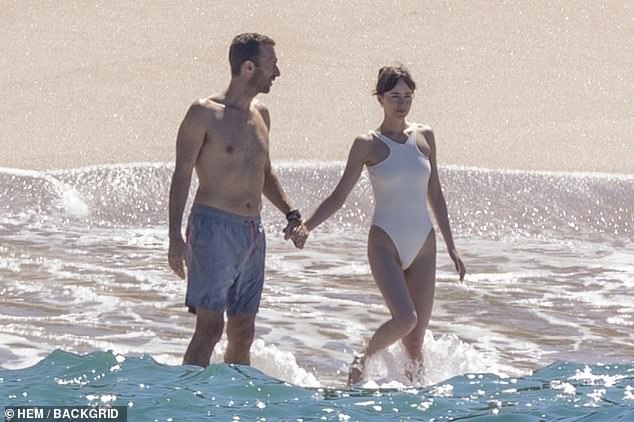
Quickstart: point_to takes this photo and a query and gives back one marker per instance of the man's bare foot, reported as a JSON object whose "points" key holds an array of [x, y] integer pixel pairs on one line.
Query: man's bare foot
{"points": [[357, 370]]}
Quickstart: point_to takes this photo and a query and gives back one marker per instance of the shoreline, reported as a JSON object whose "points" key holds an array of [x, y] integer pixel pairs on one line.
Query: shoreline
{"points": [[314, 164]]}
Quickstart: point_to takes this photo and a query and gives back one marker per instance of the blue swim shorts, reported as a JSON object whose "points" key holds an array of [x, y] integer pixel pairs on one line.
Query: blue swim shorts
{"points": [[225, 262]]}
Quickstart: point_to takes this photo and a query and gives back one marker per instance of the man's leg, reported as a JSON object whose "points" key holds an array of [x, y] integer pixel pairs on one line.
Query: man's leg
{"points": [[240, 335], [209, 325]]}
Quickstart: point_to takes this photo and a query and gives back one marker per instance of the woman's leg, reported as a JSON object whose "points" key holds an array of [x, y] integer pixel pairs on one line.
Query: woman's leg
{"points": [[420, 278], [390, 279]]}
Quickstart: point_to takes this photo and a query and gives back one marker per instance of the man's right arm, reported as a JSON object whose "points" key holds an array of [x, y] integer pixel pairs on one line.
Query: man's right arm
{"points": [[191, 136]]}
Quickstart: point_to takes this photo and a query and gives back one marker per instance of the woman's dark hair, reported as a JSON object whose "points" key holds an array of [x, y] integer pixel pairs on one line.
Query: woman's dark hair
{"points": [[389, 77]]}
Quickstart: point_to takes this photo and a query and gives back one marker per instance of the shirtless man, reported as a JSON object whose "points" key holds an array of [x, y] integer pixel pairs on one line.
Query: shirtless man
{"points": [[226, 139]]}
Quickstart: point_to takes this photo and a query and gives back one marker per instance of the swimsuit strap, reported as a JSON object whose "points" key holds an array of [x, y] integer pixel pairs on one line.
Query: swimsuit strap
{"points": [[387, 141], [411, 138]]}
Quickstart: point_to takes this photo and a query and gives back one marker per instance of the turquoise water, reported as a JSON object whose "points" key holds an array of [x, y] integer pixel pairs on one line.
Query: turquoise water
{"points": [[154, 392]]}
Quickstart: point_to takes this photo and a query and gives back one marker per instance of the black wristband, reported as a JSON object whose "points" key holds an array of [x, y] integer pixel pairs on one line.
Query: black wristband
{"points": [[293, 216]]}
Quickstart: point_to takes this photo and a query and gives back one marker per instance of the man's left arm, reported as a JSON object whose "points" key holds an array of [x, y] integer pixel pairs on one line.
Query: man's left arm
{"points": [[272, 188], [274, 192]]}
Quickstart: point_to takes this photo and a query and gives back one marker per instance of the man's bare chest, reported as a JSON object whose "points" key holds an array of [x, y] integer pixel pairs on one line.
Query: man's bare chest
{"points": [[238, 141]]}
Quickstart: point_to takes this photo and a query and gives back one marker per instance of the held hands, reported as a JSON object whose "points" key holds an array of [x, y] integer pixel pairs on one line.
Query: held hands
{"points": [[297, 232], [295, 229]]}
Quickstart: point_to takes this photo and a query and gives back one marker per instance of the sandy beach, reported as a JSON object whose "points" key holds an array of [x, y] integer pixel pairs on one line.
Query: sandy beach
{"points": [[536, 85]]}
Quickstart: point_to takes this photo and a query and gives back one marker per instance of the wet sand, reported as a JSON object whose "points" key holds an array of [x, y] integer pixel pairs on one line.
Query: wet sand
{"points": [[540, 86]]}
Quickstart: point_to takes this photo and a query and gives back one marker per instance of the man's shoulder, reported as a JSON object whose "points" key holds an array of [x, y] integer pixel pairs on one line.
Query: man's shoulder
{"points": [[208, 103], [260, 106], [203, 110], [262, 110]]}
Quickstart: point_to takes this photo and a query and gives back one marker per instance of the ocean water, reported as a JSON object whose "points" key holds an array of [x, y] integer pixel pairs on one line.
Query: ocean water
{"points": [[540, 330]]}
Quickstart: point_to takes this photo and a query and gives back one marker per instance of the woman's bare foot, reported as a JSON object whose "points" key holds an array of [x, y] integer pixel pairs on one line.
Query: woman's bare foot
{"points": [[357, 370], [414, 371]]}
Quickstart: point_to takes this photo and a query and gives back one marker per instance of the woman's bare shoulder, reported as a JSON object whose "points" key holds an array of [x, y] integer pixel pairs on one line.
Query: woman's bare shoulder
{"points": [[424, 128], [369, 148]]}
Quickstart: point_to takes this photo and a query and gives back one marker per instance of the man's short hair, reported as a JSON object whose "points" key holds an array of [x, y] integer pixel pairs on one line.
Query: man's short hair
{"points": [[245, 47]]}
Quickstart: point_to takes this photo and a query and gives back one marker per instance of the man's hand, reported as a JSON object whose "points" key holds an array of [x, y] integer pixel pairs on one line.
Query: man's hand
{"points": [[176, 256], [297, 232]]}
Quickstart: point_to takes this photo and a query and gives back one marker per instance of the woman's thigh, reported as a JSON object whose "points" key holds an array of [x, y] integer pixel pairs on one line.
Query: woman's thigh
{"points": [[387, 272], [420, 279]]}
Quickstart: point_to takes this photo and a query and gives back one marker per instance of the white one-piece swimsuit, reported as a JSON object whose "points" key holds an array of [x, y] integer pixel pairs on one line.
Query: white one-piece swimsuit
{"points": [[400, 186]]}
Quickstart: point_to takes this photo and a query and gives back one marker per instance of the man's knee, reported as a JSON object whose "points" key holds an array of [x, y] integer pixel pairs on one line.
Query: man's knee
{"points": [[241, 330], [209, 336], [209, 326]]}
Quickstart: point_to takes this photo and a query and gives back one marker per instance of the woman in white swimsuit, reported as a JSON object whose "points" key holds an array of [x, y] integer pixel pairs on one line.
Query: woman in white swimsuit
{"points": [[401, 161]]}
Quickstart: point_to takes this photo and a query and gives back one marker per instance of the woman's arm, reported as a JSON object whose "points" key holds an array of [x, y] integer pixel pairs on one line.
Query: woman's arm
{"points": [[439, 205], [356, 160]]}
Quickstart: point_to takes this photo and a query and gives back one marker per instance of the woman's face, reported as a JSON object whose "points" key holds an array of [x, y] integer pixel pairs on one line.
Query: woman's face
{"points": [[397, 101]]}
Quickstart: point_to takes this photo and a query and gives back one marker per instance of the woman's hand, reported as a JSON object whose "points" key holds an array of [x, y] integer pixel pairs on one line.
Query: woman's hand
{"points": [[298, 233], [460, 268]]}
